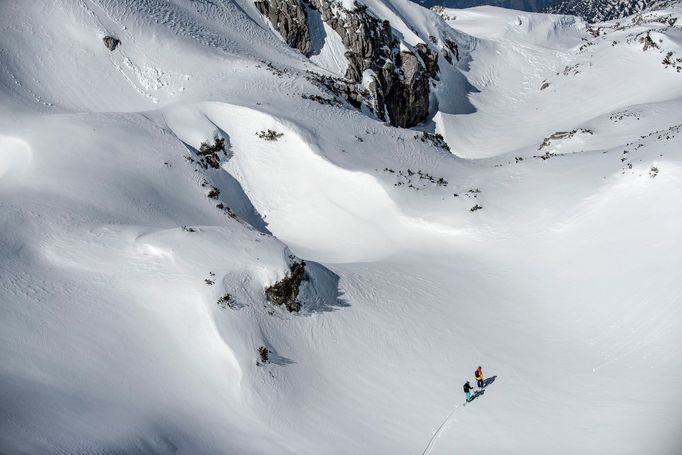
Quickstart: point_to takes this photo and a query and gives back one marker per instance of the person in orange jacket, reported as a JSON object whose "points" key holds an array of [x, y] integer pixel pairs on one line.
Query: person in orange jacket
{"points": [[478, 374]]}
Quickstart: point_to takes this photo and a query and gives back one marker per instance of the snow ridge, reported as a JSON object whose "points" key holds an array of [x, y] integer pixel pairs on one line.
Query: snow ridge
{"points": [[151, 194]]}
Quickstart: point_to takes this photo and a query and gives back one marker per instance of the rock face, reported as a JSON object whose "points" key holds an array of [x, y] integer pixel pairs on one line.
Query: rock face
{"points": [[449, 50], [400, 89], [369, 42], [111, 43], [289, 19], [400, 79]]}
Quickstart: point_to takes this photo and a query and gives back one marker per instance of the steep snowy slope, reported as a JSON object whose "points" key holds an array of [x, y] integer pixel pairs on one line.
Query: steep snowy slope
{"points": [[543, 245]]}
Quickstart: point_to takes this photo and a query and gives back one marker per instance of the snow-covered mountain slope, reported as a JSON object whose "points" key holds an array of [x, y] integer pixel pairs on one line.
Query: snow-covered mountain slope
{"points": [[134, 261], [523, 5], [560, 73], [590, 10], [600, 10]]}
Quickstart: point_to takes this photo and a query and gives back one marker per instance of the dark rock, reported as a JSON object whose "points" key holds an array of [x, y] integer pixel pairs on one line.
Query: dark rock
{"points": [[209, 153], [430, 60], [289, 19], [269, 135], [405, 91], [648, 42], [285, 291], [436, 139], [111, 43], [321, 100], [345, 89], [264, 355], [449, 50], [368, 40], [563, 135]]}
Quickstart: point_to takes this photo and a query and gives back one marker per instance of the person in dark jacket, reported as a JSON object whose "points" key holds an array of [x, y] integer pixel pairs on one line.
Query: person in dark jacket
{"points": [[467, 390], [478, 374]]}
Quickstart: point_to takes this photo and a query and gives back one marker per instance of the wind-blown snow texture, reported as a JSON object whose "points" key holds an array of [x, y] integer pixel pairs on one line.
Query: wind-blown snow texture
{"points": [[116, 244]]}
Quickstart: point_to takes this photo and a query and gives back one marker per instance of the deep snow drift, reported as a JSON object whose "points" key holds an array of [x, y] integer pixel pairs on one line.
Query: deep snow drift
{"points": [[116, 244]]}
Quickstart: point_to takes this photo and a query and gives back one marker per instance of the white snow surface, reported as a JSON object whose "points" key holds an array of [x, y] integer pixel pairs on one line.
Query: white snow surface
{"points": [[566, 286], [328, 49]]}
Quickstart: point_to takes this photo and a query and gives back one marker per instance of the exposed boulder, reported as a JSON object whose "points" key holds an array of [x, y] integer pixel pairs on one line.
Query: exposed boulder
{"points": [[289, 19], [263, 355], [209, 153], [111, 43], [285, 291], [560, 135]]}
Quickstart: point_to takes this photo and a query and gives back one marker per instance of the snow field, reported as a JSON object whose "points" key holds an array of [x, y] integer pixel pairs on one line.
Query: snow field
{"points": [[565, 285]]}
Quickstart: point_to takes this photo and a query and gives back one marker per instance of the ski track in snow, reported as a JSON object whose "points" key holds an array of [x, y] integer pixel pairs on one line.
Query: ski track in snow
{"points": [[440, 429], [448, 419]]}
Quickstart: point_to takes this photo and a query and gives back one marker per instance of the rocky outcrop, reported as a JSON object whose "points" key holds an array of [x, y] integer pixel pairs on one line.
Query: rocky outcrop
{"points": [[399, 92], [348, 90], [111, 43], [289, 19], [430, 60], [264, 355], [399, 87], [402, 90], [369, 42], [285, 291], [449, 50]]}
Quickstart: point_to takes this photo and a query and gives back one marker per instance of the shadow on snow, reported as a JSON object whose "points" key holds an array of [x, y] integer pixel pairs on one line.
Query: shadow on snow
{"points": [[480, 392], [321, 291]]}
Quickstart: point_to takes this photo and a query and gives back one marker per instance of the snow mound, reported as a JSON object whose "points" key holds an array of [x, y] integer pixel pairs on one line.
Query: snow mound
{"points": [[151, 194], [15, 157], [327, 213]]}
